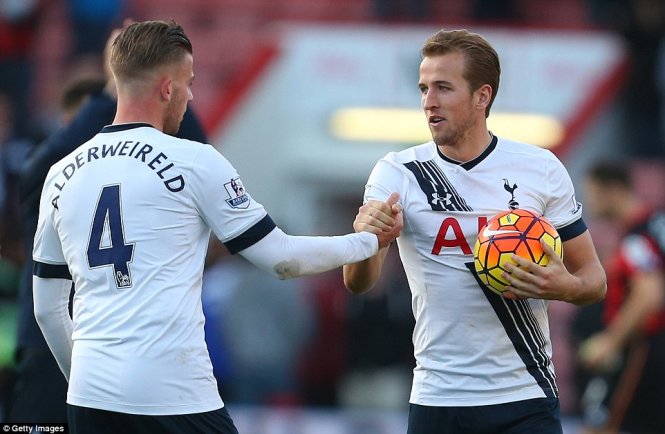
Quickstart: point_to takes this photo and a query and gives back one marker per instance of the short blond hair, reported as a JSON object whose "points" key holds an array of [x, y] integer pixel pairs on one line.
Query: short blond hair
{"points": [[144, 46]]}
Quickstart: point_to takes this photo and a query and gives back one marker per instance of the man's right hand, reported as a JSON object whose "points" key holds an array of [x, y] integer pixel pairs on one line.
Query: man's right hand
{"points": [[384, 219]]}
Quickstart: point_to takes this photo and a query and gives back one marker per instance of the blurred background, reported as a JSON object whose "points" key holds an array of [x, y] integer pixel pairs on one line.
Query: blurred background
{"points": [[303, 97]]}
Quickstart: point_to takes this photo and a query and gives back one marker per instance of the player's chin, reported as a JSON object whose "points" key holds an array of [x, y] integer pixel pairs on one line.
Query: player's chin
{"points": [[443, 138]]}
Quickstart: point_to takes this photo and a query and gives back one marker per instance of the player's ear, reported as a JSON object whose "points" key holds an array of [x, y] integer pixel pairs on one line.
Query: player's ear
{"points": [[483, 96], [165, 88]]}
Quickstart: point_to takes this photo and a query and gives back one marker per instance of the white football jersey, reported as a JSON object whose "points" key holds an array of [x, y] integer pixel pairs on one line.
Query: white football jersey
{"points": [[472, 346], [128, 216]]}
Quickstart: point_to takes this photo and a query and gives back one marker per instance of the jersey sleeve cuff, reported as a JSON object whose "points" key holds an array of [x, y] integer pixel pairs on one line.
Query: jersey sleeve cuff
{"points": [[251, 235], [50, 271], [578, 227]]}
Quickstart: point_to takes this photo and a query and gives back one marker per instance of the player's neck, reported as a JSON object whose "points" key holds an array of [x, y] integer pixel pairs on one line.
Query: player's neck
{"points": [[135, 111], [468, 147]]}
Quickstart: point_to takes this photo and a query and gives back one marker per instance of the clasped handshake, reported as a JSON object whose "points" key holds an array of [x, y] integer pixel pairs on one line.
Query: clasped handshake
{"points": [[384, 219]]}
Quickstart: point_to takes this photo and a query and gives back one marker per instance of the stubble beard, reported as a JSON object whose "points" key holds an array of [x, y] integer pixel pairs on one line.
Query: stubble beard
{"points": [[172, 119], [453, 136]]}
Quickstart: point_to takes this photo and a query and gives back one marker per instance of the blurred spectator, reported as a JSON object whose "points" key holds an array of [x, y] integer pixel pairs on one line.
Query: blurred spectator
{"points": [[76, 94], [380, 353], [91, 23], [13, 150], [19, 20], [625, 358], [660, 83], [49, 383], [6, 132]]}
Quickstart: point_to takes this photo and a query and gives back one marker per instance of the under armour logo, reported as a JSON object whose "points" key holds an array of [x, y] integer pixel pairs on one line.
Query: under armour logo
{"points": [[440, 200]]}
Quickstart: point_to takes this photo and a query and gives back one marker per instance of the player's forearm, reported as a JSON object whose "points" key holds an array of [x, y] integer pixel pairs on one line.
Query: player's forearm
{"points": [[361, 276], [51, 304], [590, 285], [287, 256], [585, 277]]}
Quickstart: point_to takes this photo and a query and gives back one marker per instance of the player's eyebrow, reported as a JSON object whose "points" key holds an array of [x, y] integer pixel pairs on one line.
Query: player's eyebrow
{"points": [[437, 83], [443, 82]]}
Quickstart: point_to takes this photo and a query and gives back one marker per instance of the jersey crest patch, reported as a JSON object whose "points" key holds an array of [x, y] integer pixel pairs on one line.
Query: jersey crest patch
{"points": [[440, 193], [237, 196], [512, 203]]}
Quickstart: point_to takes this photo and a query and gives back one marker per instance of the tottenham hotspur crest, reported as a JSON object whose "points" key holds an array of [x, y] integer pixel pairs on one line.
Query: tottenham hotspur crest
{"points": [[237, 196], [512, 203]]}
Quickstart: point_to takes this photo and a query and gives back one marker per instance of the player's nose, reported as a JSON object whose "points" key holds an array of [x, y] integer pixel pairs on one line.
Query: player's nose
{"points": [[429, 101]]}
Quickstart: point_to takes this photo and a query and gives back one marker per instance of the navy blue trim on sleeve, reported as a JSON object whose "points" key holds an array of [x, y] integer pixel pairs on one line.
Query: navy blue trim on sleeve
{"points": [[251, 235], [578, 227], [50, 271]]}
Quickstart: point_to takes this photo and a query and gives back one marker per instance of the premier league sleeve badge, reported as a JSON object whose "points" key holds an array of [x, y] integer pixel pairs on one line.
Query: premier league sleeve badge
{"points": [[237, 197]]}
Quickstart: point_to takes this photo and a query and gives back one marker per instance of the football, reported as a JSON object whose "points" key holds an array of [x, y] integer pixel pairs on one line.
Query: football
{"points": [[516, 231]]}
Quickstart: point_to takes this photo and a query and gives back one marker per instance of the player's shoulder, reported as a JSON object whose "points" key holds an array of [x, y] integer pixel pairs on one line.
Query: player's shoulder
{"points": [[176, 149], [140, 141], [164, 140], [191, 155], [514, 147], [423, 152], [514, 152]]}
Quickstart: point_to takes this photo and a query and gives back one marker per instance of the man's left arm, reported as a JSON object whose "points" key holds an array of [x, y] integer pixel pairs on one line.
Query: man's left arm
{"points": [[51, 299], [581, 261], [579, 278]]}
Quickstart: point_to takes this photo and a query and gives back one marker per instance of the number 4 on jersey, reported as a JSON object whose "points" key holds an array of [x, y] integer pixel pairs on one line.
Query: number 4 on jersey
{"points": [[106, 245]]}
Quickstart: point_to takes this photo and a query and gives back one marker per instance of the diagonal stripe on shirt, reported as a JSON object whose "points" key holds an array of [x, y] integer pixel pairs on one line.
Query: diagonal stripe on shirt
{"points": [[526, 336]]}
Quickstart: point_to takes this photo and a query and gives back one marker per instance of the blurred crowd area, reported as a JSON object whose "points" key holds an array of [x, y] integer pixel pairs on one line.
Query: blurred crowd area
{"points": [[307, 341]]}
